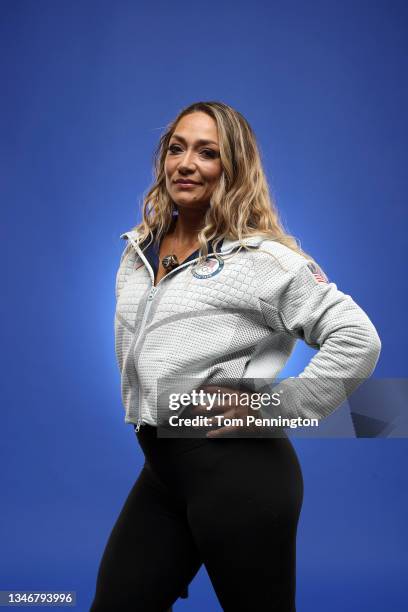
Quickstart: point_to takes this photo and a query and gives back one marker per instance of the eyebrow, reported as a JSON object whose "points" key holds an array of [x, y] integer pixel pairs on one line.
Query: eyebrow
{"points": [[201, 141]]}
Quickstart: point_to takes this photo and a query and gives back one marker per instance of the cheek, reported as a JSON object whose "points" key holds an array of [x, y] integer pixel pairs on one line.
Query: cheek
{"points": [[215, 177], [168, 167], [213, 174]]}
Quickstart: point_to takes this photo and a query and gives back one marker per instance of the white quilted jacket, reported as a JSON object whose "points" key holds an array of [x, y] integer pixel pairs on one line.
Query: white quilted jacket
{"points": [[238, 317]]}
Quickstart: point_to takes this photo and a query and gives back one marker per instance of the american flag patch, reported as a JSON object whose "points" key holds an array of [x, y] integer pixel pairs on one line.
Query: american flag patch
{"points": [[317, 272]]}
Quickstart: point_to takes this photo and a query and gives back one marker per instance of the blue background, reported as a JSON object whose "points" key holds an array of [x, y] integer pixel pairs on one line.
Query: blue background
{"points": [[88, 88]]}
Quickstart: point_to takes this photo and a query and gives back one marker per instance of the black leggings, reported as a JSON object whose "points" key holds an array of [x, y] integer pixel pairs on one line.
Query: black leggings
{"points": [[232, 504]]}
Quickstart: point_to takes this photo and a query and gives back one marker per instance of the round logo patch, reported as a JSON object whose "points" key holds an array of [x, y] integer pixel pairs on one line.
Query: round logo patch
{"points": [[210, 267]]}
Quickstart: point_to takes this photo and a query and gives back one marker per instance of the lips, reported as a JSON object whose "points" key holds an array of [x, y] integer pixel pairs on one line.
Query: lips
{"points": [[186, 182]]}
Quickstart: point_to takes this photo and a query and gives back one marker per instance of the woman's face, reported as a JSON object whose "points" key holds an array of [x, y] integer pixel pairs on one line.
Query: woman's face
{"points": [[193, 154]]}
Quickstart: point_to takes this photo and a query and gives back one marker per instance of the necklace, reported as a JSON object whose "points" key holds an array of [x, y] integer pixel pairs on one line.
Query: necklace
{"points": [[169, 262]]}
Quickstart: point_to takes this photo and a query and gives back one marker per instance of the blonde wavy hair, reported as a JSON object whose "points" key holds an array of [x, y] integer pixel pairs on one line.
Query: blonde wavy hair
{"points": [[241, 205]]}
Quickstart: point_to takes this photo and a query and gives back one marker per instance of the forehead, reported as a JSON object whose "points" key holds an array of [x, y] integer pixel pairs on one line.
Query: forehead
{"points": [[197, 126]]}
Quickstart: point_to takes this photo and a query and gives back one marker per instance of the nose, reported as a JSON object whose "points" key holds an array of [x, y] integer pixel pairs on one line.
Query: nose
{"points": [[186, 162]]}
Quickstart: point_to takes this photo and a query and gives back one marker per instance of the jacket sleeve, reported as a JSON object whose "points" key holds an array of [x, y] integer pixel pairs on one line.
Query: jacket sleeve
{"points": [[315, 310]]}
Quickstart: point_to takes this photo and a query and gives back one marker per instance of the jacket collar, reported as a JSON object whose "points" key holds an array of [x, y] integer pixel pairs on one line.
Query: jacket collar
{"points": [[227, 244]]}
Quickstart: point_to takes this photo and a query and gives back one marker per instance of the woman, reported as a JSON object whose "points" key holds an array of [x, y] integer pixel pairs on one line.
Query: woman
{"points": [[211, 288]]}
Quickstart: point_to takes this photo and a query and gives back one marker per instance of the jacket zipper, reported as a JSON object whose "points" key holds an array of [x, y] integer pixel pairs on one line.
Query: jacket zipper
{"points": [[142, 326]]}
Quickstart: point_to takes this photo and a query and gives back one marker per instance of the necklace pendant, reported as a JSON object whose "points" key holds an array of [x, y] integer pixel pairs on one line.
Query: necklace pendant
{"points": [[170, 262]]}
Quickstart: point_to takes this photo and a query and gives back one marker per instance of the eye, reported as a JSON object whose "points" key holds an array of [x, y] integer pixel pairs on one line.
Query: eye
{"points": [[172, 147], [210, 152]]}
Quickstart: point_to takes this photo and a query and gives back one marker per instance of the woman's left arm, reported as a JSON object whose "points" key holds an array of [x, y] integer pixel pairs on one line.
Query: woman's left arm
{"points": [[316, 311]]}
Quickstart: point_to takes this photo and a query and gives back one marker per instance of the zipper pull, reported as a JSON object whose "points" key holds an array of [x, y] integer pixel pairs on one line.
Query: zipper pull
{"points": [[152, 292]]}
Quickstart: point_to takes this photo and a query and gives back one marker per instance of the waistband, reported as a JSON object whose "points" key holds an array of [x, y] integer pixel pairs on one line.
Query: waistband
{"points": [[151, 442]]}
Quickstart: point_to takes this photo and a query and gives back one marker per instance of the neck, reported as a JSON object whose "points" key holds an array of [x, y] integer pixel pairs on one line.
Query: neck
{"points": [[187, 225]]}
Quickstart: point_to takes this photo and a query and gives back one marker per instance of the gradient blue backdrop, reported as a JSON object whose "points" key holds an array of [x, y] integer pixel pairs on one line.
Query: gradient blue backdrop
{"points": [[87, 88]]}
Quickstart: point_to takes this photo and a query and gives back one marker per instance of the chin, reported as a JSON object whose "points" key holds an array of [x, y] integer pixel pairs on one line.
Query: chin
{"points": [[188, 203]]}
